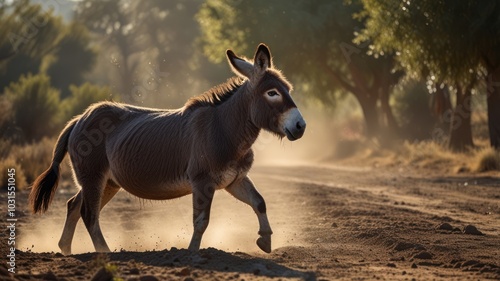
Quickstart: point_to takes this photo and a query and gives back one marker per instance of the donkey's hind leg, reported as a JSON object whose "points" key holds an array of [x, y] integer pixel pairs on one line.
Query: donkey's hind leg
{"points": [[245, 191], [94, 194], [74, 206]]}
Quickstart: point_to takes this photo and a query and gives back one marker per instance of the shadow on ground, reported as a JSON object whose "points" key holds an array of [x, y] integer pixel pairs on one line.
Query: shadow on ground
{"points": [[205, 259]]}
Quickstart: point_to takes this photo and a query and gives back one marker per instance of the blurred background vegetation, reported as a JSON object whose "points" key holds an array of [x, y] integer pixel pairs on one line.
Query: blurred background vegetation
{"points": [[388, 74]]}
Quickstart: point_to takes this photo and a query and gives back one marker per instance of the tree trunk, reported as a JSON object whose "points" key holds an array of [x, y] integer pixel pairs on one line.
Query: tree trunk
{"points": [[368, 105], [460, 129], [493, 101], [389, 119]]}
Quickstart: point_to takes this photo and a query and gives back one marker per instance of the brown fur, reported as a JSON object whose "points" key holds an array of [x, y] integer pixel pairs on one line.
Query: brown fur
{"points": [[163, 154]]}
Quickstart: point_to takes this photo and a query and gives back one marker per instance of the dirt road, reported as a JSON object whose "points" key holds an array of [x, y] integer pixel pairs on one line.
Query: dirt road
{"points": [[329, 222]]}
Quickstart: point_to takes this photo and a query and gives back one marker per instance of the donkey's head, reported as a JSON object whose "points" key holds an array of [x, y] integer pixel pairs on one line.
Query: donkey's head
{"points": [[272, 108]]}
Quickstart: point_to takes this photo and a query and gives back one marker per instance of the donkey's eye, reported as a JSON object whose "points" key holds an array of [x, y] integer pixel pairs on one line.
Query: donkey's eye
{"points": [[272, 93]]}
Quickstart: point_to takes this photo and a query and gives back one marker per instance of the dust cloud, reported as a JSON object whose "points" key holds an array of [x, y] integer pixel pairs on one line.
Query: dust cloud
{"points": [[131, 224], [314, 146]]}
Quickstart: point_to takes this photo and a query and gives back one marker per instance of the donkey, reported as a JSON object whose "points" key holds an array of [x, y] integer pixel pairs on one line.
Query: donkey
{"points": [[163, 154]]}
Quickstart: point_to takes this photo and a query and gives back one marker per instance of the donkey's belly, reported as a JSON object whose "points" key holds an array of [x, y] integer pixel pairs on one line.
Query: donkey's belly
{"points": [[163, 191], [176, 188]]}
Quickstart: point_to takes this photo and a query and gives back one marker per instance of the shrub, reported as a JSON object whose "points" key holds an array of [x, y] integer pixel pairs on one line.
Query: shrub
{"points": [[83, 96], [35, 106], [487, 159]]}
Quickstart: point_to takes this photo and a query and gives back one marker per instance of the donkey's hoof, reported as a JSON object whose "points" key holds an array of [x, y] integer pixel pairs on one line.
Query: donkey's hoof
{"points": [[66, 252], [264, 243]]}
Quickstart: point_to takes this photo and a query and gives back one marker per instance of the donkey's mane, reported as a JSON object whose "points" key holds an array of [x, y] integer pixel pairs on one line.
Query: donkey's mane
{"points": [[216, 95]]}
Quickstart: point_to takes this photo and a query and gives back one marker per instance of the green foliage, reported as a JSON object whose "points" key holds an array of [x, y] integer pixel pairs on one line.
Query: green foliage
{"points": [[28, 29], [442, 40], [33, 40], [28, 34], [220, 22], [71, 59], [35, 106], [83, 96]]}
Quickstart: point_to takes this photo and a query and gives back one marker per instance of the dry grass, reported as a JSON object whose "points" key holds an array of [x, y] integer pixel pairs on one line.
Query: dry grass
{"points": [[29, 160], [9, 163], [33, 158], [425, 155], [431, 156], [428, 153], [486, 159]]}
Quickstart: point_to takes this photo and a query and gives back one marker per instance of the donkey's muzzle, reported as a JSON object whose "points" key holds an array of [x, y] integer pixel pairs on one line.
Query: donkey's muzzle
{"points": [[295, 125]]}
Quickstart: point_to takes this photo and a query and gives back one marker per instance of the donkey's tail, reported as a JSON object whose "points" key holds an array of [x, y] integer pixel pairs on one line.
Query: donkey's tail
{"points": [[45, 185]]}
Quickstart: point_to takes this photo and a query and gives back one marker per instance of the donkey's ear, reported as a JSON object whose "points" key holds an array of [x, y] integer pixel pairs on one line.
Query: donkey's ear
{"points": [[262, 59], [240, 66]]}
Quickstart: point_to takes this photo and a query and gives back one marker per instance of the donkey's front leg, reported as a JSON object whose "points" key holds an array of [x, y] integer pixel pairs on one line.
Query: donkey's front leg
{"points": [[203, 193], [245, 191]]}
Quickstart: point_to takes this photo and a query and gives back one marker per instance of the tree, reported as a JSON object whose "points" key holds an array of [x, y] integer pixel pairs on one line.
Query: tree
{"points": [[34, 40], [314, 43], [147, 41], [28, 34], [71, 59], [448, 42]]}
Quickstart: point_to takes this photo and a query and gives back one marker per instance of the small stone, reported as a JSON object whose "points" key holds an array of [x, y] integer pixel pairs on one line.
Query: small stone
{"points": [[184, 272], [423, 256], [470, 229], [391, 264], [50, 276], [414, 265], [445, 226], [102, 275], [134, 271]]}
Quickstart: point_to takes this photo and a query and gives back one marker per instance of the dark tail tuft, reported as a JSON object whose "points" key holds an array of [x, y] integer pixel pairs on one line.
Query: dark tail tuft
{"points": [[45, 185], [43, 189]]}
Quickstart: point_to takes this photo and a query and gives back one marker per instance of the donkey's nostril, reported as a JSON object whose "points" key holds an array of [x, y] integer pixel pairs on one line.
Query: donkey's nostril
{"points": [[299, 126]]}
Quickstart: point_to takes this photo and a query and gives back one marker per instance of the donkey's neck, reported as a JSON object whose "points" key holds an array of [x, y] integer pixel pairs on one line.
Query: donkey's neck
{"points": [[234, 116]]}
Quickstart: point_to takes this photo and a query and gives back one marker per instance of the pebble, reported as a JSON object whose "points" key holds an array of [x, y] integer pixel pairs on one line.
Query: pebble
{"points": [[445, 226], [423, 256], [470, 229]]}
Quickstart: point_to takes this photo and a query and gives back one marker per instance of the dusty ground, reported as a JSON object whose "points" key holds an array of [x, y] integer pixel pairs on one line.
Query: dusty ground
{"points": [[330, 222]]}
